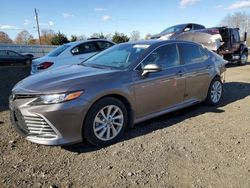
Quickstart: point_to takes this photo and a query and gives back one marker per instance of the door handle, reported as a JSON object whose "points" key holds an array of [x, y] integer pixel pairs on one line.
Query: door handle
{"points": [[82, 58], [179, 73]]}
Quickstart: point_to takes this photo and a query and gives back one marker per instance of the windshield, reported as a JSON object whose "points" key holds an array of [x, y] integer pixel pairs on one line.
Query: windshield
{"points": [[58, 51], [119, 56], [173, 29]]}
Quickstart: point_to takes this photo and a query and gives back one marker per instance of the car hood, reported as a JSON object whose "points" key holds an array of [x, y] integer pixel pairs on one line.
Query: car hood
{"points": [[62, 79]]}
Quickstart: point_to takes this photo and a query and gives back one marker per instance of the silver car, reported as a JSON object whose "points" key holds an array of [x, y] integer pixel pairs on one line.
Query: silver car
{"points": [[115, 89]]}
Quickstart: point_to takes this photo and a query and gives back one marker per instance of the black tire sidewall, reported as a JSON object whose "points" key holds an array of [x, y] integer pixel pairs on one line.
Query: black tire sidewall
{"points": [[209, 100], [240, 62], [88, 132]]}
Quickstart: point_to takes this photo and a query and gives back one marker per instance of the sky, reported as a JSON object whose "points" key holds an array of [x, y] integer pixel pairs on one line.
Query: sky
{"points": [[85, 17]]}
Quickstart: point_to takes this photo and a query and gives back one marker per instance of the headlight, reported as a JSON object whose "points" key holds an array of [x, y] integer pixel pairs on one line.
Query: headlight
{"points": [[56, 98]]}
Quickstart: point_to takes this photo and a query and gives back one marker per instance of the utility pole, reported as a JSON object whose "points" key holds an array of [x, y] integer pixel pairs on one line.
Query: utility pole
{"points": [[37, 25]]}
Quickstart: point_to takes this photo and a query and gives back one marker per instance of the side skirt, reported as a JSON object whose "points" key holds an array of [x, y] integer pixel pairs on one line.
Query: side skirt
{"points": [[168, 110]]}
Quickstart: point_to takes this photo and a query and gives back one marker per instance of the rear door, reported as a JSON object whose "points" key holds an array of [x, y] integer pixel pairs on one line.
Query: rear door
{"points": [[84, 51], [160, 90], [197, 67]]}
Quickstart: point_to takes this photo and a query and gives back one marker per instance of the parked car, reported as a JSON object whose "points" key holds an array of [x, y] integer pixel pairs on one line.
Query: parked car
{"points": [[11, 58], [173, 31], [125, 84], [225, 41], [70, 53]]}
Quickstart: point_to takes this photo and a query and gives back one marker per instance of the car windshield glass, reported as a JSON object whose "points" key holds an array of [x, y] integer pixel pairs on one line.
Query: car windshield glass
{"points": [[119, 56], [58, 51], [173, 29]]}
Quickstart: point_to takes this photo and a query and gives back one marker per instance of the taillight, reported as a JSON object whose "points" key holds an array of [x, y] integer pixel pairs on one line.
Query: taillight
{"points": [[44, 65]]}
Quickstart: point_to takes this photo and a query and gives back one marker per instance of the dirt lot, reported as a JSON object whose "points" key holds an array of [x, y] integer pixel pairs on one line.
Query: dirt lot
{"points": [[198, 147]]}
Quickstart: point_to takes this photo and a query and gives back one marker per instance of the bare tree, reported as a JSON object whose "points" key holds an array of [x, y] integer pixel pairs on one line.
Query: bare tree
{"points": [[237, 19], [4, 38], [135, 35], [148, 36], [81, 37], [46, 36], [23, 37]]}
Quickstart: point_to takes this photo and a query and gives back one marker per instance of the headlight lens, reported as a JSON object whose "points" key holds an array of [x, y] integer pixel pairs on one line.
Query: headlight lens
{"points": [[56, 98]]}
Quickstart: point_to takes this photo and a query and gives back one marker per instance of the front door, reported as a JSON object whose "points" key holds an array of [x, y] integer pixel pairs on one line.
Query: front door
{"points": [[161, 90]]}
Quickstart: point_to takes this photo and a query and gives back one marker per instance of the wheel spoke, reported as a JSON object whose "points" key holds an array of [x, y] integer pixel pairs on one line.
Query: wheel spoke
{"points": [[116, 110], [98, 120], [114, 131], [102, 133], [99, 128], [118, 117], [103, 114], [109, 110], [108, 133], [118, 124]]}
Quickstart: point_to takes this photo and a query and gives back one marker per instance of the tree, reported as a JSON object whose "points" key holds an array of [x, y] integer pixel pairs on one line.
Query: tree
{"points": [[98, 35], [81, 37], [59, 39], [73, 38], [237, 19], [148, 36], [23, 37], [135, 35], [120, 38], [4, 38], [46, 36]]}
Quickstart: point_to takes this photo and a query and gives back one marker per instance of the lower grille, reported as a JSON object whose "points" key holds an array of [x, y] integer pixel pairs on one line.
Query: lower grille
{"points": [[34, 126]]}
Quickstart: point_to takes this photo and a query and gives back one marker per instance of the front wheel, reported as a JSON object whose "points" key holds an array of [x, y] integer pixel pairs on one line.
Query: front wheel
{"points": [[105, 122], [215, 91]]}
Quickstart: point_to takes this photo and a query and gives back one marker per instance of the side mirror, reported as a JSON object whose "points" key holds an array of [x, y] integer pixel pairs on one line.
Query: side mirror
{"points": [[150, 68]]}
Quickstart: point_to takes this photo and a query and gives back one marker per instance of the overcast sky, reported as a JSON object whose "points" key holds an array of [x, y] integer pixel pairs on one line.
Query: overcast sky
{"points": [[107, 16]]}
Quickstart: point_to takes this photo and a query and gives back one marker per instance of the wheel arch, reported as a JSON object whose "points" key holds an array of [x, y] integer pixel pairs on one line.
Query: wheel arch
{"points": [[121, 98]]}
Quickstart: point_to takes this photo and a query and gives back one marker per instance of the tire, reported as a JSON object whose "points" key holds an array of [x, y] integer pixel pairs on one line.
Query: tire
{"points": [[100, 129], [215, 92], [243, 58]]}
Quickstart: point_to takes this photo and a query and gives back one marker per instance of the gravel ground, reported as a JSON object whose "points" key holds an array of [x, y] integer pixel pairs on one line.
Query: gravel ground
{"points": [[199, 146]]}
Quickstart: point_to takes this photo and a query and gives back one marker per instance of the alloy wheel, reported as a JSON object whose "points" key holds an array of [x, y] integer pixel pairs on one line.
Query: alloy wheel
{"points": [[108, 122], [216, 92]]}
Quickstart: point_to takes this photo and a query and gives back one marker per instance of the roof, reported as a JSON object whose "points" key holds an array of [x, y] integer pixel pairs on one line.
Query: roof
{"points": [[82, 41]]}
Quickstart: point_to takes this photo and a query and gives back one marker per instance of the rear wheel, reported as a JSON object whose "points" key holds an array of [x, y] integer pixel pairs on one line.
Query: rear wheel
{"points": [[215, 91], [243, 58], [105, 122]]}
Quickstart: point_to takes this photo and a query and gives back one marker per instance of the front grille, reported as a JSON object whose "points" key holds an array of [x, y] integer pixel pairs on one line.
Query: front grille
{"points": [[34, 126], [22, 96]]}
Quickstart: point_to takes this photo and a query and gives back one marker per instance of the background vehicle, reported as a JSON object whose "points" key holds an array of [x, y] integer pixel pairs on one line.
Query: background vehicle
{"points": [[10, 58], [173, 31], [228, 44], [64, 105], [70, 53]]}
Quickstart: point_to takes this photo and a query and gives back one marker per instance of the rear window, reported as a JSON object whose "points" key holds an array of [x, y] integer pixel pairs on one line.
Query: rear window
{"points": [[58, 51]]}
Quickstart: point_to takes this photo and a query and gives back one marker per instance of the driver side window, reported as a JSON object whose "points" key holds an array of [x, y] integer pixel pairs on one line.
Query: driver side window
{"points": [[165, 56]]}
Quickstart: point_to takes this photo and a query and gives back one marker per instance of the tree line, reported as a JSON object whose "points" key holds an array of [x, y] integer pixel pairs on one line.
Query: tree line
{"points": [[49, 37]]}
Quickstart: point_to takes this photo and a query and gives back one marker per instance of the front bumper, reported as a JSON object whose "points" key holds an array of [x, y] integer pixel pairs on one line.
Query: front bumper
{"points": [[55, 124]]}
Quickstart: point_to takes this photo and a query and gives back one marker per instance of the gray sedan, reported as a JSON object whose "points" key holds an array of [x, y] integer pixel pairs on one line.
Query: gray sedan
{"points": [[123, 85]]}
